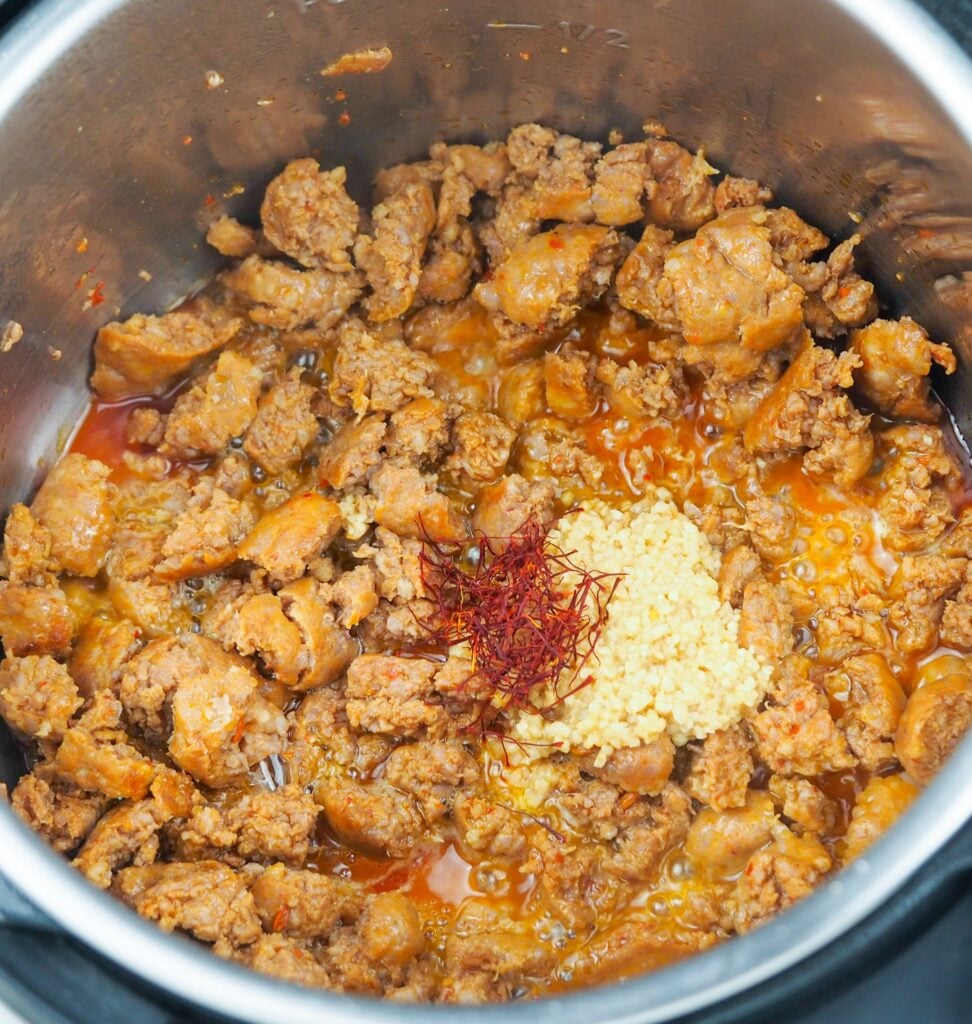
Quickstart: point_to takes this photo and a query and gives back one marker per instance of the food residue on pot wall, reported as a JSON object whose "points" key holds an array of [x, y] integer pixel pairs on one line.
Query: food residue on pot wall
{"points": [[12, 333], [359, 62]]}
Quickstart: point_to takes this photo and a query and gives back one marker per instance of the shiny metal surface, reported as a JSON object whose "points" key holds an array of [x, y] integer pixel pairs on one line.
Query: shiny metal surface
{"points": [[857, 112]]}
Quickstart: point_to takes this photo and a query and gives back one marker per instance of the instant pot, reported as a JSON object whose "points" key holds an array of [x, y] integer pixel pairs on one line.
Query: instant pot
{"points": [[125, 124]]}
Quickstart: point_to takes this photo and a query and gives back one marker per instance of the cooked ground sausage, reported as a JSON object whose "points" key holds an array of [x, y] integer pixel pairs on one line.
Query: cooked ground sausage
{"points": [[935, 718], [145, 354], [228, 620]]}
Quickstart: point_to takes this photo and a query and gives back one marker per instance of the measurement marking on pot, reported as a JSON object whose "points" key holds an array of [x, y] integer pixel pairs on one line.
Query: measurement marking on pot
{"points": [[576, 32], [304, 5], [616, 37], [573, 32]]}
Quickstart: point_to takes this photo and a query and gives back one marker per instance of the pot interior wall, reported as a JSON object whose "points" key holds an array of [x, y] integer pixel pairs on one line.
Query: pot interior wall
{"points": [[116, 152]]}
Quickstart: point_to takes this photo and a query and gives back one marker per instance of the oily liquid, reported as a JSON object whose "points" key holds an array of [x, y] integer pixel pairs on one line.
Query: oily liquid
{"points": [[687, 458]]}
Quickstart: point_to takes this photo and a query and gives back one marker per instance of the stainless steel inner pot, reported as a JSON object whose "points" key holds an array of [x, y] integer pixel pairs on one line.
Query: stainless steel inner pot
{"points": [[857, 112]]}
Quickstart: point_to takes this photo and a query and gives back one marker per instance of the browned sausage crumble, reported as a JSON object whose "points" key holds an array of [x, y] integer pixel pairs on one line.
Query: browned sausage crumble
{"points": [[211, 613]]}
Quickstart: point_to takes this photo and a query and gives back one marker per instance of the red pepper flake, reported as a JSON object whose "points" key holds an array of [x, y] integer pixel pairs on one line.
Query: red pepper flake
{"points": [[844, 291], [210, 200], [528, 614], [525, 55], [82, 246], [95, 297], [925, 233], [240, 730], [556, 242], [340, 96], [628, 801], [280, 919], [345, 118], [187, 140]]}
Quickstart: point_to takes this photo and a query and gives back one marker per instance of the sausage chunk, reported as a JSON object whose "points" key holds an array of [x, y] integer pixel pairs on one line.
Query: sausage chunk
{"points": [[622, 177], [257, 624], [808, 409], [544, 281], [482, 445], [96, 755], [37, 696], [433, 773], [372, 375], [205, 536], [75, 504], [776, 877], [287, 298], [720, 772], [506, 506], [648, 389], [483, 939], [935, 718], [308, 215], [231, 238], [127, 834], [303, 904], [727, 287], [215, 410], [328, 647], [766, 621], [355, 451], [409, 504], [284, 425], [288, 537], [795, 733], [391, 259], [876, 809], [896, 358], [60, 812], [393, 695], [374, 815], [220, 725], [419, 432], [391, 929], [918, 472], [720, 843], [642, 284], [34, 620], [644, 769], [206, 899], [27, 549], [101, 653], [145, 354], [874, 706]]}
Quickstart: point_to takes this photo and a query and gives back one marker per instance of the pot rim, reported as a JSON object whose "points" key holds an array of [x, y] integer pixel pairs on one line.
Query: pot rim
{"points": [[180, 967], [191, 973]]}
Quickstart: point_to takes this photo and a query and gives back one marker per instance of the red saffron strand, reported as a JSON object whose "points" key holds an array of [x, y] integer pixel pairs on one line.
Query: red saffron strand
{"points": [[529, 615]]}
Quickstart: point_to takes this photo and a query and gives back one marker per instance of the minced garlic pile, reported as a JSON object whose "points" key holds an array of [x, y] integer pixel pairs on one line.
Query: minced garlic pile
{"points": [[668, 659]]}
